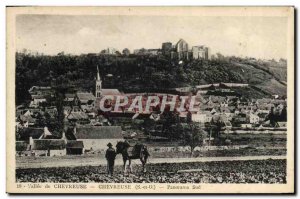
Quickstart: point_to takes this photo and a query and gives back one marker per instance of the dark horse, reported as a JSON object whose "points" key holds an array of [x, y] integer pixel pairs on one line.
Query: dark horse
{"points": [[138, 151]]}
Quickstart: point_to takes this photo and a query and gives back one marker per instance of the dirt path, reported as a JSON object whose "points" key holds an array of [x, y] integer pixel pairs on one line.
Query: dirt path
{"points": [[42, 162]]}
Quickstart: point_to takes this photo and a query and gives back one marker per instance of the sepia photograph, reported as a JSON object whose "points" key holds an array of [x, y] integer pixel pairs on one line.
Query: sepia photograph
{"points": [[150, 99]]}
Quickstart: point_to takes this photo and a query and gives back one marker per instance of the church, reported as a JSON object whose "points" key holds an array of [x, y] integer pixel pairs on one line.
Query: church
{"points": [[101, 92]]}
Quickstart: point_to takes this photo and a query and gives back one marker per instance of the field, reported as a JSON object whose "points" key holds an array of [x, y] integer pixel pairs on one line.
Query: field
{"points": [[156, 157], [256, 140], [251, 164], [253, 171]]}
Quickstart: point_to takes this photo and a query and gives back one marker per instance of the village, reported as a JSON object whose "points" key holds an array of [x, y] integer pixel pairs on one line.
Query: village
{"points": [[86, 128]]}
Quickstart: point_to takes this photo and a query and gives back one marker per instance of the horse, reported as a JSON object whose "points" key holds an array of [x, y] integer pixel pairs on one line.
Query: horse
{"points": [[139, 151]]}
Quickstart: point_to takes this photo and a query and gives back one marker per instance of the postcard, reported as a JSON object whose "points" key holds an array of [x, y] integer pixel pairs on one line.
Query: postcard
{"points": [[150, 100]]}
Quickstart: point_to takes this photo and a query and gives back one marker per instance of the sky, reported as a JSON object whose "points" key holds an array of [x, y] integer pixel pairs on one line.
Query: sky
{"points": [[259, 37]]}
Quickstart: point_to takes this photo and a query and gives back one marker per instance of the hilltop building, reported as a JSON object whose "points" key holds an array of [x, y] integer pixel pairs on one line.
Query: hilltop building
{"points": [[109, 51], [182, 49], [166, 48], [201, 52]]}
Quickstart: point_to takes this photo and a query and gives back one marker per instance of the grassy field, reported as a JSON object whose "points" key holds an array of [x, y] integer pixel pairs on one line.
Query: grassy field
{"points": [[256, 140]]}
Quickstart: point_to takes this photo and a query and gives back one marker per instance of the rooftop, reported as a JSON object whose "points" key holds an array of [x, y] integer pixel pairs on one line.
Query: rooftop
{"points": [[98, 132]]}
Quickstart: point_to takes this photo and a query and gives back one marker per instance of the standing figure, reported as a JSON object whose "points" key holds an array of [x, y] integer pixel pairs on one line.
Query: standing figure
{"points": [[110, 156]]}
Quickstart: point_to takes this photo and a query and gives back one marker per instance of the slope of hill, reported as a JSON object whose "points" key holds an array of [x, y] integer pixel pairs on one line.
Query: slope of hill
{"points": [[264, 80]]}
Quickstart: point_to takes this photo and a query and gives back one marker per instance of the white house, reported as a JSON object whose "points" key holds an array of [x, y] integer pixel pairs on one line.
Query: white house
{"points": [[199, 117], [254, 119], [246, 125], [47, 144], [96, 138]]}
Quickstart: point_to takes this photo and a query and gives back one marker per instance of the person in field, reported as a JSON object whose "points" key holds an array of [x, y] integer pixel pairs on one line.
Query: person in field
{"points": [[110, 156]]}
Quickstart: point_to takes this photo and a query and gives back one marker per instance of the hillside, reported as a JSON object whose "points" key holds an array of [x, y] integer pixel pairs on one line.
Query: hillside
{"points": [[266, 81], [135, 74]]}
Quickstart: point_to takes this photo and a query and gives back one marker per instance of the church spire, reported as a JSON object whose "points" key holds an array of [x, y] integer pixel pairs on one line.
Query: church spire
{"points": [[98, 85], [98, 75]]}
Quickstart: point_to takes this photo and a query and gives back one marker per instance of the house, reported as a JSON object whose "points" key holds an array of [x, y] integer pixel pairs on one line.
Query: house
{"points": [[39, 95], [216, 118], [78, 116], [69, 99], [265, 108], [241, 118], [281, 124], [26, 120], [74, 147], [113, 92], [199, 117], [262, 110], [67, 110], [96, 137], [224, 117], [253, 118], [100, 120], [155, 116], [227, 112], [48, 147], [40, 90], [224, 104], [40, 142], [52, 111], [262, 116], [209, 116], [211, 110], [246, 125], [84, 98], [228, 125], [25, 134], [264, 104], [37, 100]]}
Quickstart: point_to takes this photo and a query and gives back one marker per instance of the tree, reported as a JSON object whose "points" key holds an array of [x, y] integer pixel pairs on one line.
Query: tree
{"points": [[194, 136], [283, 114], [272, 117], [169, 120], [103, 51], [126, 52], [215, 128], [118, 53]]}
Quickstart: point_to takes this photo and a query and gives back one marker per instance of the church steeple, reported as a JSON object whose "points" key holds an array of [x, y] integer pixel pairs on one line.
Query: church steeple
{"points": [[98, 84], [98, 75]]}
